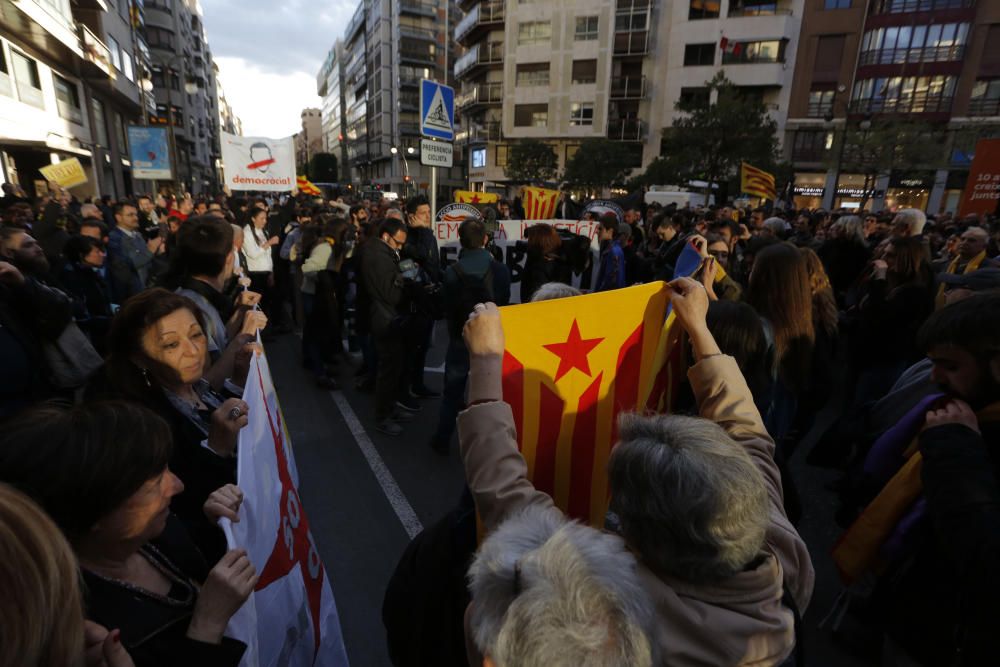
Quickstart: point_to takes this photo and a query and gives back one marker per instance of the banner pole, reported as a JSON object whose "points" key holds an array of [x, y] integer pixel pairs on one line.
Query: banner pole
{"points": [[434, 183]]}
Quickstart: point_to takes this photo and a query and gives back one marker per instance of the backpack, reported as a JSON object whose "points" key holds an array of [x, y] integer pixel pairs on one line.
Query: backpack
{"points": [[471, 290]]}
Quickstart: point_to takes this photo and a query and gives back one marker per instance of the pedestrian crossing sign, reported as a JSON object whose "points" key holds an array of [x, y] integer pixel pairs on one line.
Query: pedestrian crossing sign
{"points": [[437, 110]]}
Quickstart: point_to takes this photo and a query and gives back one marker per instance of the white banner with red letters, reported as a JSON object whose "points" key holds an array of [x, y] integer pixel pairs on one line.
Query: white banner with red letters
{"points": [[258, 163], [291, 618]]}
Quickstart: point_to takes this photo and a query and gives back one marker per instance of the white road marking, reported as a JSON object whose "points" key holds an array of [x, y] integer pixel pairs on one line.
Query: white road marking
{"points": [[400, 505]]}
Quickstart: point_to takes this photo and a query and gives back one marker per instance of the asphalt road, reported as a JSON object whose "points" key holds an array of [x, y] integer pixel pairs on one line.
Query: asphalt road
{"points": [[367, 494]]}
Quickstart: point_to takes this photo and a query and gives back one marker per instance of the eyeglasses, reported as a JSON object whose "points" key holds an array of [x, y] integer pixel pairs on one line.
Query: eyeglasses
{"points": [[721, 255]]}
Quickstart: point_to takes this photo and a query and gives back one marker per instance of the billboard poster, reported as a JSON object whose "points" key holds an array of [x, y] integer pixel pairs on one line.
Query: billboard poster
{"points": [[149, 150], [982, 189]]}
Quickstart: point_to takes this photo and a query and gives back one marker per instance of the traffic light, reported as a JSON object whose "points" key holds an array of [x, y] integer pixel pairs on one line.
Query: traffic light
{"points": [[406, 179]]}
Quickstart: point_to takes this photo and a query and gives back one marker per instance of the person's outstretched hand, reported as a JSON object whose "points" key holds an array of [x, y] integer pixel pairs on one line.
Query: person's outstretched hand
{"points": [[690, 303], [226, 588], [483, 332], [955, 412]]}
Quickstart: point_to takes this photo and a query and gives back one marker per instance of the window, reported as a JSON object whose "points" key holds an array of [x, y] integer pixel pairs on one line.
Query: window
{"points": [[100, 122], [985, 98], [898, 6], [127, 65], [479, 158], [67, 99], [5, 86], [703, 9], [753, 7], [632, 20], [533, 74], [536, 32], [911, 94], [502, 155], [771, 51], [836, 4], [159, 38], [29, 85], [581, 113], [584, 71], [810, 145], [531, 115], [699, 54], [918, 43], [692, 98], [586, 28], [821, 101], [116, 54], [122, 136]]}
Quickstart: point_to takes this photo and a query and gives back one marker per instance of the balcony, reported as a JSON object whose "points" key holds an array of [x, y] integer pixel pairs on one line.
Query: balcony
{"points": [[984, 106], [769, 9], [929, 54], [626, 129], [481, 134], [631, 43], [910, 6], [357, 22], [408, 128], [819, 109], [417, 33], [483, 54], [417, 8], [481, 94], [409, 81], [628, 88], [482, 16], [96, 52], [420, 57], [916, 103]]}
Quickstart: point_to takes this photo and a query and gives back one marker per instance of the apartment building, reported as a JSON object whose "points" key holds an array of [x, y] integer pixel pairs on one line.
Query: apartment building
{"points": [[933, 61], [69, 88], [387, 48], [564, 71], [328, 87], [184, 89], [228, 120], [309, 140]]}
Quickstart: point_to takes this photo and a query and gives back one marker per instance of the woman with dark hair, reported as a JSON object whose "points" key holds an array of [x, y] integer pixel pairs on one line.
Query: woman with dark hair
{"points": [[100, 471], [257, 249], [738, 330], [81, 278], [544, 264], [323, 253], [159, 352], [200, 267]]}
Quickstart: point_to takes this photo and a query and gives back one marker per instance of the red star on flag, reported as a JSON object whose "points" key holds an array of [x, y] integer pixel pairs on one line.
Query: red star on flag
{"points": [[475, 199], [294, 546], [573, 353]]}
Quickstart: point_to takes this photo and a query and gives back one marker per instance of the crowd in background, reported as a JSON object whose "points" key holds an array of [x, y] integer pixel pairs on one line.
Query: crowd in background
{"points": [[127, 330]]}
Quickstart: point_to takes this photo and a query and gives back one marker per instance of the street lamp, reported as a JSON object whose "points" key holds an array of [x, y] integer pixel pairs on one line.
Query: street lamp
{"points": [[406, 167]]}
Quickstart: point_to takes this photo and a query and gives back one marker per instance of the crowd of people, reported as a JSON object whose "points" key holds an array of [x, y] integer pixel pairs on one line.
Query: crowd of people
{"points": [[126, 334]]}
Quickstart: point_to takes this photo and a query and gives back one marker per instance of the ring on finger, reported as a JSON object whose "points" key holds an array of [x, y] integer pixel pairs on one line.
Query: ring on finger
{"points": [[235, 413]]}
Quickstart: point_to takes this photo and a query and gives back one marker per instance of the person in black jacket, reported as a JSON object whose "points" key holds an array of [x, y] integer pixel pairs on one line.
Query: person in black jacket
{"points": [[421, 247], [100, 471], [83, 279], [383, 286]]}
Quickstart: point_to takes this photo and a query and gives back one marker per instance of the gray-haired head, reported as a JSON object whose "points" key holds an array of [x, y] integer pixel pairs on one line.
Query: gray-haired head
{"points": [[550, 291], [689, 498], [850, 227], [909, 222], [776, 226], [546, 593]]}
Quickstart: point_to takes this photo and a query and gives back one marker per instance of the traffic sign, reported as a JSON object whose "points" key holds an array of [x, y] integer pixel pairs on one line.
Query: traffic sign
{"points": [[437, 110], [436, 153]]}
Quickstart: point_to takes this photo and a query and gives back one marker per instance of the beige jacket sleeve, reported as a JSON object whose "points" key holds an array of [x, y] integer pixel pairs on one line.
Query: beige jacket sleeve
{"points": [[494, 468], [723, 397]]}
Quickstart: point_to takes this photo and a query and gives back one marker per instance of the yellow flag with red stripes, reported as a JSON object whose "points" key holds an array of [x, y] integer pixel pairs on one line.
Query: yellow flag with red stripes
{"points": [[470, 197], [539, 203], [307, 187], [757, 182], [569, 370]]}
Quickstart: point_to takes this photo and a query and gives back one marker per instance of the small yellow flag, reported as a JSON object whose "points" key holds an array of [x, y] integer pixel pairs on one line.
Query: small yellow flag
{"points": [[468, 197]]}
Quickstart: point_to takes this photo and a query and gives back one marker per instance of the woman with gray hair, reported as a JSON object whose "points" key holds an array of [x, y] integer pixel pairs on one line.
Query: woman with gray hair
{"points": [[699, 500]]}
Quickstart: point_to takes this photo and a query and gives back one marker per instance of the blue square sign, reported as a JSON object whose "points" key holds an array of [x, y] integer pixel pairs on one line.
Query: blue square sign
{"points": [[437, 110]]}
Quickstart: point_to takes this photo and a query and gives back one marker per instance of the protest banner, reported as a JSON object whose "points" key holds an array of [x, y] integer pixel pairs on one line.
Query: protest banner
{"points": [[509, 238], [68, 173], [258, 163], [291, 618], [982, 187]]}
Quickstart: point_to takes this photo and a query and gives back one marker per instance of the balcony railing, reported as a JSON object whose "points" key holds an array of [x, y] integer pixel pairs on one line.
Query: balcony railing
{"points": [[819, 109], [631, 43], [628, 88], [482, 14], [626, 129], [917, 103], [422, 56], [417, 33], [758, 10], [984, 106], [417, 7], [907, 6], [488, 53], [409, 80], [356, 22], [927, 54], [95, 51], [480, 134], [483, 93]]}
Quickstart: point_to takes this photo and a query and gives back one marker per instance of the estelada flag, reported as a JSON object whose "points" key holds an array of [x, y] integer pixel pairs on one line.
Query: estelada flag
{"points": [[307, 187], [469, 197], [539, 203], [757, 182], [569, 370]]}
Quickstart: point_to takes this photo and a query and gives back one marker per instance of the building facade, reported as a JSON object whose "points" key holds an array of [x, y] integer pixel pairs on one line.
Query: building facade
{"points": [[184, 89], [564, 71], [69, 87], [228, 120], [309, 140], [387, 48], [932, 63]]}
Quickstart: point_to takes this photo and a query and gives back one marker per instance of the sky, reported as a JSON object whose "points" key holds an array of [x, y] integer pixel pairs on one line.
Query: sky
{"points": [[269, 54]]}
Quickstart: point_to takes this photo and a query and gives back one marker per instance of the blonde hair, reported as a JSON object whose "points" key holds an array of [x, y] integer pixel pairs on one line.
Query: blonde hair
{"points": [[41, 610], [825, 314]]}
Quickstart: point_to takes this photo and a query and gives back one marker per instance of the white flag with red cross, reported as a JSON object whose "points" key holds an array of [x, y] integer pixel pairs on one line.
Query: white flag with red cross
{"points": [[291, 617]]}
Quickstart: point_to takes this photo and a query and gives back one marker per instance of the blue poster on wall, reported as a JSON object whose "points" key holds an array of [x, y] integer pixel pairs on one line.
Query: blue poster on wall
{"points": [[149, 148]]}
